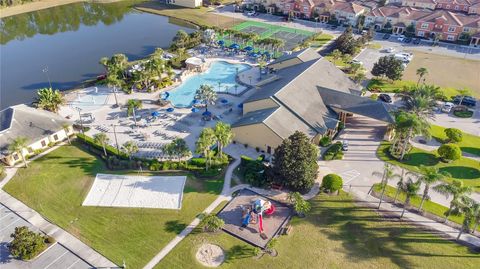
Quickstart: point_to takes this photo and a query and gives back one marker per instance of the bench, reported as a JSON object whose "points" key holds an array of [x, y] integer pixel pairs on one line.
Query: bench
{"points": [[286, 230]]}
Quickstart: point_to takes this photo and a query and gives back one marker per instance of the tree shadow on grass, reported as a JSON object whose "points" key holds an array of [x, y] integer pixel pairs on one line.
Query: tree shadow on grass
{"points": [[174, 226], [238, 252], [471, 150], [424, 158], [462, 172], [367, 235]]}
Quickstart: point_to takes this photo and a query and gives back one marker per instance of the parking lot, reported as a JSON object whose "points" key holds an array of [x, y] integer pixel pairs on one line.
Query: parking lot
{"points": [[56, 257]]}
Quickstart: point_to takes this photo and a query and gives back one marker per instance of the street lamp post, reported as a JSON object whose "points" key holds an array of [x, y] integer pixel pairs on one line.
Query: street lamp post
{"points": [[115, 94], [116, 140], [45, 70]]}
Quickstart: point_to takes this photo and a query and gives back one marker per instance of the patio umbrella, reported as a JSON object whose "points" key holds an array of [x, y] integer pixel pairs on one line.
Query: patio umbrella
{"points": [[194, 110], [165, 95], [207, 113], [234, 46], [196, 101], [240, 105], [248, 48], [221, 42], [170, 109], [155, 114], [223, 101]]}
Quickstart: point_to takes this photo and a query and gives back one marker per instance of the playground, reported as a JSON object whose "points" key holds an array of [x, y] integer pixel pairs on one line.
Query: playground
{"points": [[136, 191], [254, 218], [291, 36]]}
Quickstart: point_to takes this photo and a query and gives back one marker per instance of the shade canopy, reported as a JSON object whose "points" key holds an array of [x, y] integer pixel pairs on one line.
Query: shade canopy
{"points": [[170, 109], [240, 105], [165, 95], [155, 114], [248, 48], [234, 46], [223, 101], [221, 42], [194, 109], [207, 113]]}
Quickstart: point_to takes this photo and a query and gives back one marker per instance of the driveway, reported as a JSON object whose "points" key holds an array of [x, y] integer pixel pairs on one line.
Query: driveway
{"points": [[468, 125], [360, 161], [56, 257]]}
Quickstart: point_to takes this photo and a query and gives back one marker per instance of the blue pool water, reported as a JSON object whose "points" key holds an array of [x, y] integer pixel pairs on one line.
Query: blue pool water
{"points": [[219, 71]]}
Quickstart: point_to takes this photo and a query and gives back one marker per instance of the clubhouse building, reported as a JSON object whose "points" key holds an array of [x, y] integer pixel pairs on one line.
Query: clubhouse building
{"points": [[303, 92]]}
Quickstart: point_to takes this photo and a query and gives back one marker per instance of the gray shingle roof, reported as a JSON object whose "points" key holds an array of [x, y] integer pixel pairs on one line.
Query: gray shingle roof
{"points": [[254, 117], [356, 104], [284, 123], [302, 56], [23, 121]]}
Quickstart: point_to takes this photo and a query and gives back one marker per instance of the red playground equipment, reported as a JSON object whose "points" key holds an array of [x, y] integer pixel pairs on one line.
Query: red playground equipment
{"points": [[254, 214]]}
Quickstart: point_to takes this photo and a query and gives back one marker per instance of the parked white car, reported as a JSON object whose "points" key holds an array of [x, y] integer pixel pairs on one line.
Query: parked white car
{"points": [[356, 62], [447, 107], [251, 13], [389, 50], [401, 38]]}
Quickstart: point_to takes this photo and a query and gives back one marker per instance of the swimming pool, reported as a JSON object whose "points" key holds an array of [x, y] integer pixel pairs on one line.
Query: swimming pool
{"points": [[220, 75], [90, 99]]}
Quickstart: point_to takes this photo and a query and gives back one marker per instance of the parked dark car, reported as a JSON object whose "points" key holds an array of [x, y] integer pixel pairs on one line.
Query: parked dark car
{"points": [[334, 27], [386, 36], [466, 101], [416, 41], [385, 98], [408, 40]]}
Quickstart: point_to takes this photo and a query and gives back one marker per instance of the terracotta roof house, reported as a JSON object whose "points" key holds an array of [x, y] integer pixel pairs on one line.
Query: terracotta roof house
{"points": [[303, 92], [39, 127]]}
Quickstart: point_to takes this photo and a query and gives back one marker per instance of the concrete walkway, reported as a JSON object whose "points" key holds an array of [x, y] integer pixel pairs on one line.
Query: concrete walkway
{"points": [[33, 217], [433, 144]]}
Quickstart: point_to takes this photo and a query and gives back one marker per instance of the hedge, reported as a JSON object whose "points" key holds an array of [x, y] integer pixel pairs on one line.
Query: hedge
{"points": [[111, 151], [334, 152]]}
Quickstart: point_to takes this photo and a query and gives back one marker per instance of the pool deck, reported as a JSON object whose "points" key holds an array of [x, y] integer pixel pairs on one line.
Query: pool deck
{"points": [[181, 123]]}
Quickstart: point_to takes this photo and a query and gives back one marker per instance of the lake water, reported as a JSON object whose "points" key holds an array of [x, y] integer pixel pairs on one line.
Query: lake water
{"points": [[68, 41]]}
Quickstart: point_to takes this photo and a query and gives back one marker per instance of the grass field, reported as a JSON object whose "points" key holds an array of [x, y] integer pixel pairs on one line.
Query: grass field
{"points": [[269, 29], [199, 16], [464, 169], [469, 144], [446, 71], [57, 184], [337, 233], [394, 86]]}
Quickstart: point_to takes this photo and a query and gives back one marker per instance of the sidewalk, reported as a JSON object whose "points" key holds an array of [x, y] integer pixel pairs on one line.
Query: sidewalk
{"points": [[69, 241]]}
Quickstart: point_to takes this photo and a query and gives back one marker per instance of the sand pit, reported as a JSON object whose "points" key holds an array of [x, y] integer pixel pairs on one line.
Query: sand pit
{"points": [[136, 191], [210, 255]]}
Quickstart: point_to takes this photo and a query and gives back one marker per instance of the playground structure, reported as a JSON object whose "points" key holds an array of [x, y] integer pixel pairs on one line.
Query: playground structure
{"points": [[253, 214]]}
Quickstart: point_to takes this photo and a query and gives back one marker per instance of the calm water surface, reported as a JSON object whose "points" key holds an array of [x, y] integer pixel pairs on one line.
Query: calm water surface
{"points": [[68, 41]]}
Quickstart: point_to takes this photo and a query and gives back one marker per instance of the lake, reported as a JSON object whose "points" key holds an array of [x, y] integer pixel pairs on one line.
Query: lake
{"points": [[64, 44]]}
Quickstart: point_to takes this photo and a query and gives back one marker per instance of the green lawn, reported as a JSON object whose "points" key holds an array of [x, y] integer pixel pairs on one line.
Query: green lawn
{"points": [[271, 29], [57, 184], [321, 40], [395, 86], [469, 144], [428, 206], [336, 234], [464, 169]]}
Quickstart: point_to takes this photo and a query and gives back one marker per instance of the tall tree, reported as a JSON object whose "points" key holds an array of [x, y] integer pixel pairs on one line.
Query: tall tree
{"points": [[467, 208], [388, 66], [132, 106], [387, 174], [296, 162], [207, 95], [18, 145], [457, 190], [49, 99], [336, 54], [204, 144], [224, 135], [407, 125], [429, 176], [410, 189], [178, 148], [130, 148], [102, 139], [399, 185], [421, 72]]}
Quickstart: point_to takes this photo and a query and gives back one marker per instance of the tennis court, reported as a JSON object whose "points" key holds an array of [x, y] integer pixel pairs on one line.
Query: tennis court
{"points": [[291, 36]]}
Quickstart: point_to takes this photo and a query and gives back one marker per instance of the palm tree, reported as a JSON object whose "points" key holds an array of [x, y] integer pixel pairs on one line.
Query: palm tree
{"points": [[132, 105], [224, 135], [66, 129], [429, 176], [178, 147], [410, 189], [407, 125], [458, 192], [386, 175], [468, 208], [102, 139], [336, 54], [476, 215], [113, 81], [49, 99], [207, 95], [399, 186], [204, 144], [261, 66], [421, 100], [421, 72], [463, 93], [130, 147], [18, 145]]}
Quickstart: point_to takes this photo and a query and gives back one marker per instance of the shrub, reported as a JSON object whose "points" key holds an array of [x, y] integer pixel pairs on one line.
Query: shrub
{"points": [[374, 96], [211, 223], [26, 244], [332, 182], [341, 125], [299, 204], [48, 239], [463, 114], [454, 135], [166, 166], [449, 152], [325, 141], [334, 152]]}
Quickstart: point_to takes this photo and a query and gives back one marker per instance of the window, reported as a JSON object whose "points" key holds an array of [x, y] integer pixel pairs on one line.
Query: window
{"points": [[456, 7], [466, 30], [465, 8], [424, 25], [448, 6], [287, 5], [421, 34], [439, 5], [450, 37], [305, 9], [55, 137], [44, 144], [451, 29], [15, 156]]}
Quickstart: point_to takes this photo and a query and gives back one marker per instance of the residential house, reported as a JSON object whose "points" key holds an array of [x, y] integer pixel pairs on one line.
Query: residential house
{"points": [[39, 127], [398, 17], [428, 4], [303, 92], [185, 3], [348, 12], [453, 5], [447, 25], [296, 8]]}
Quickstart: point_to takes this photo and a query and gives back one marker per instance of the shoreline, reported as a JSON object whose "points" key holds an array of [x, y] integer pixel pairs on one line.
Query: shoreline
{"points": [[43, 4]]}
